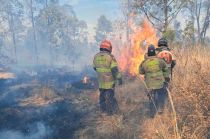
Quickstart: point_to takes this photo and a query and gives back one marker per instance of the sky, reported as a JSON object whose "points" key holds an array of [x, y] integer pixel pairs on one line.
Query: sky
{"points": [[91, 10]]}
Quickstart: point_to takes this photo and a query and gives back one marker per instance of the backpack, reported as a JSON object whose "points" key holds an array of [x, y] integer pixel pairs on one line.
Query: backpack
{"points": [[166, 55]]}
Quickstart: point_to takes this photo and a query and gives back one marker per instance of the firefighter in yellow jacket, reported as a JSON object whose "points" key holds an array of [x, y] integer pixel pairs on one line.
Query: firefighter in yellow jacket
{"points": [[106, 67], [155, 72]]}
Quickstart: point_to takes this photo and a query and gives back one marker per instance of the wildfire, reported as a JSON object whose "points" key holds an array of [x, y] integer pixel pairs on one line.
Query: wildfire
{"points": [[131, 56], [5, 75], [85, 80]]}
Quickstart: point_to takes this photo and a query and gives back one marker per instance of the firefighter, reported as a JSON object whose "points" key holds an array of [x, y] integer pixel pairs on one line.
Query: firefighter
{"points": [[155, 73], [163, 51], [106, 66]]}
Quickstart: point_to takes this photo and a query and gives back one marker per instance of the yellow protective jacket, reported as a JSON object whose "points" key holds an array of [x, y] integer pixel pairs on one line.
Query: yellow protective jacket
{"points": [[107, 69], [155, 71]]}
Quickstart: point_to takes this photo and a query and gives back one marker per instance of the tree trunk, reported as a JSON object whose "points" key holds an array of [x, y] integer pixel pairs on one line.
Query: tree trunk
{"points": [[192, 17], [46, 3], [13, 35], [206, 23], [165, 27], [198, 11], [34, 31]]}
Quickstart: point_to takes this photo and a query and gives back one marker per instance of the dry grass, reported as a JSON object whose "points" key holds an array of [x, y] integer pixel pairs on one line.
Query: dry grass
{"points": [[127, 124], [41, 97], [191, 92], [161, 127]]}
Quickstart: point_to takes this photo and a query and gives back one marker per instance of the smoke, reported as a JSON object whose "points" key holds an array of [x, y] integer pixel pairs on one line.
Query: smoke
{"points": [[40, 132], [71, 2]]}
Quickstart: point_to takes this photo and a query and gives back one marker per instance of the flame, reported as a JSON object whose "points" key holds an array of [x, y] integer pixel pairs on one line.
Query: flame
{"points": [[131, 56], [85, 80], [5, 75]]}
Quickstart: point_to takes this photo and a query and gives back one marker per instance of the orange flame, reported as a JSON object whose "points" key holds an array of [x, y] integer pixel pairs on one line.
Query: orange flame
{"points": [[5, 75], [131, 56]]}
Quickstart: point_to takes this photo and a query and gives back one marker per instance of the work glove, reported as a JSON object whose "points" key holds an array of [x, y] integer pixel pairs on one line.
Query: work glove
{"points": [[173, 63], [120, 81], [167, 79]]}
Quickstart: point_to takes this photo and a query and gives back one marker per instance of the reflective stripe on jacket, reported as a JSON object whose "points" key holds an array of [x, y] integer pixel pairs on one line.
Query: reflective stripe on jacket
{"points": [[104, 63], [155, 70]]}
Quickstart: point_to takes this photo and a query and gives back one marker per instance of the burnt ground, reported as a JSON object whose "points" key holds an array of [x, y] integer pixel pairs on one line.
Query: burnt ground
{"points": [[46, 106], [55, 106]]}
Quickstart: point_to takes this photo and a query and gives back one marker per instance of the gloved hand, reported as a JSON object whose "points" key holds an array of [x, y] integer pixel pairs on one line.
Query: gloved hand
{"points": [[173, 63], [120, 81], [167, 79]]}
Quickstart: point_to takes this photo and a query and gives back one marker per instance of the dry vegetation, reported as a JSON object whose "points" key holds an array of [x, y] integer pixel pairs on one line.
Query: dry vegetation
{"points": [[127, 124], [45, 96], [191, 92], [190, 89]]}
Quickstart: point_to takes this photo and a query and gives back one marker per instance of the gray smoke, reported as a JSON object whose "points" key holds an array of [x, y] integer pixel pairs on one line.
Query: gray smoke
{"points": [[41, 132]]}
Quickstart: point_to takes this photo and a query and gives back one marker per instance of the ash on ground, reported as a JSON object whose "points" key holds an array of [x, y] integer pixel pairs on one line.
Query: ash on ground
{"points": [[60, 105]]}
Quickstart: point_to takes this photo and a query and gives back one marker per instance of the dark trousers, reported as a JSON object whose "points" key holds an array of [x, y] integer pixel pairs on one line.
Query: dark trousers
{"points": [[158, 99], [108, 102]]}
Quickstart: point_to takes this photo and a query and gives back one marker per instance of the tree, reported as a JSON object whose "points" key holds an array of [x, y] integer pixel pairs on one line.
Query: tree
{"points": [[47, 2], [189, 32], [170, 35], [11, 12], [104, 27], [199, 11], [58, 27], [153, 10], [31, 5], [126, 10], [205, 26]]}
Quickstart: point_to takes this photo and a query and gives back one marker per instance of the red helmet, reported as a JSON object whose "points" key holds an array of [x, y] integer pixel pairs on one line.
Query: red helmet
{"points": [[106, 45]]}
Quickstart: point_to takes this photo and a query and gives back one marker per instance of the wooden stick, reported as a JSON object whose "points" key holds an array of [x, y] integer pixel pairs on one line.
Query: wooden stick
{"points": [[176, 129]]}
